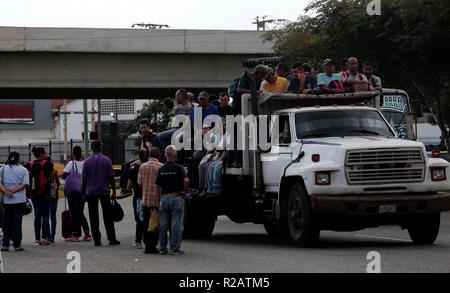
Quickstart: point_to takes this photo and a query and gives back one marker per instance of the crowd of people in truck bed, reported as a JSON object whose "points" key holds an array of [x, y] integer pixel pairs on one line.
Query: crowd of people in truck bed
{"points": [[157, 178]]}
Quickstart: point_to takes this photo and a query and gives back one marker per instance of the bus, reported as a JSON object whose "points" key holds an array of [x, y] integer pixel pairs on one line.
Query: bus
{"points": [[396, 108]]}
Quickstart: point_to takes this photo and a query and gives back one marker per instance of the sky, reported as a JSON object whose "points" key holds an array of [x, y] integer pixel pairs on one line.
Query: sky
{"points": [[178, 14]]}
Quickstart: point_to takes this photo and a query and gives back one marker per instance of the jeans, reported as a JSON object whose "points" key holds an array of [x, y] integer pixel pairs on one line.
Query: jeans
{"points": [[202, 173], [53, 208], [139, 224], [41, 216], [12, 224], [105, 201], [163, 139], [78, 220], [150, 238], [171, 210], [215, 177]]}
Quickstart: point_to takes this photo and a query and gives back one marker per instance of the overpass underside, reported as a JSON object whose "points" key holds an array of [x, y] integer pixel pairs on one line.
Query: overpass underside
{"points": [[118, 75]]}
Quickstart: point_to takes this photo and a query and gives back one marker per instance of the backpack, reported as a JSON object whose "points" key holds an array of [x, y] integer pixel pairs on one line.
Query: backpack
{"points": [[336, 84], [233, 87], [38, 181]]}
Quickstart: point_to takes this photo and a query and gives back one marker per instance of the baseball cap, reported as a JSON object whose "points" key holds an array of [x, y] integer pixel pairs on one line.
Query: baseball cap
{"points": [[326, 61]]}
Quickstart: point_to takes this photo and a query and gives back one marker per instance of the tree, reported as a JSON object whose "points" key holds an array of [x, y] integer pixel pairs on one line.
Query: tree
{"points": [[149, 112], [409, 42]]}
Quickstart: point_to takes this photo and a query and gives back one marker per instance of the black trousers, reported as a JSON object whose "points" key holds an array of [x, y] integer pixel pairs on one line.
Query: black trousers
{"points": [[150, 238], [105, 201]]}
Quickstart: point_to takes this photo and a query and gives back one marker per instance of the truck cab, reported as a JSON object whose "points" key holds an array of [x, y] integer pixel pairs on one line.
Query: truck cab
{"points": [[334, 163]]}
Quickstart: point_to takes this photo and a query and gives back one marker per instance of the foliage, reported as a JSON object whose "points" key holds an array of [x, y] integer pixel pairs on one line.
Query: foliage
{"points": [[149, 112], [408, 43]]}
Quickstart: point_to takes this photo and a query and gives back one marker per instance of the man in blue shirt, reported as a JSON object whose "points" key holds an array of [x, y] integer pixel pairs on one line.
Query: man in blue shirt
{"points": [[206, 107], [325, 80], [301, 83]]}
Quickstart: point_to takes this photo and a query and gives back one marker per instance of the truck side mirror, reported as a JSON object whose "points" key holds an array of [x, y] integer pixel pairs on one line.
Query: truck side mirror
{"points": [[418, 110]]}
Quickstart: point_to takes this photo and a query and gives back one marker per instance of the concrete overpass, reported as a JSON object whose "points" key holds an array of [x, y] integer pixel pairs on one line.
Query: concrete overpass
{"points": [[129, 63]]}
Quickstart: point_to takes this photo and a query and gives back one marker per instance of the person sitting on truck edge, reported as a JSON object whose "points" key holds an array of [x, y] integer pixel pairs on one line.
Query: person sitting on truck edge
{"points": [[257, 77], [224, 107], [205, 158], [274, 83], [206, 107], [197, 156], [301, 83], [344, 67], [328, 81], [354, 77], [191, 99], [184, 108], [282, 70], [214, 172], [374, 80]]}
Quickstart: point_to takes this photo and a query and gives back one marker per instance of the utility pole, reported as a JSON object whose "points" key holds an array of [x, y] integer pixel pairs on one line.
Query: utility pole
{"points": [[86, 130], [261, 24], [65, 130], [99, 119], [93, 115]]}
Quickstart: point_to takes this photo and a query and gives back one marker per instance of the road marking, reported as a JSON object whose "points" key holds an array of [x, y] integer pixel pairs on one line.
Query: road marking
{"points": [[385, 238]]}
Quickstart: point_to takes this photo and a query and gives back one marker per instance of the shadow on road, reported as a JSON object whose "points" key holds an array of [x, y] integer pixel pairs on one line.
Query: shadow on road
{"points": [[325, 242]]}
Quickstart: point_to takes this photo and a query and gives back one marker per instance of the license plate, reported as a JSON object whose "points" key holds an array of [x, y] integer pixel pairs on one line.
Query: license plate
{"points": [[387, 208]]}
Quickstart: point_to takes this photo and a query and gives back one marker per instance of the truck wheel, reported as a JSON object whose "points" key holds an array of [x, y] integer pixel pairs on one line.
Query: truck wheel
{"points": [[425, 229], [303, 230], [198, 221]]}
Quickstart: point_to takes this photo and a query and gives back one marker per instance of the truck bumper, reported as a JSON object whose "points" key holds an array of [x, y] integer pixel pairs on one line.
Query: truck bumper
{"points": [[369, 205]]}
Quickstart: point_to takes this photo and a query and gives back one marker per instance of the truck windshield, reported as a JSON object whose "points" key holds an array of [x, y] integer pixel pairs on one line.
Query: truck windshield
{"points": [[341, 123]]}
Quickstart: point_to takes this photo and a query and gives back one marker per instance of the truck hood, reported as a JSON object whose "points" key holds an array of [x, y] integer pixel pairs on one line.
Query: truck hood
{"points": [[364, 142]]}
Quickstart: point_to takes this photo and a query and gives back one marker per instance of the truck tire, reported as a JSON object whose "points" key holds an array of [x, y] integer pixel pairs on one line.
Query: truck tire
{"points": [[198, 221], [424, 229], [303, 229]]}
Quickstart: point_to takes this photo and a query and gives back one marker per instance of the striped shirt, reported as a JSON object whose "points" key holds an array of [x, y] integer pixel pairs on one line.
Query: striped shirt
{"points": [[151, 194]]}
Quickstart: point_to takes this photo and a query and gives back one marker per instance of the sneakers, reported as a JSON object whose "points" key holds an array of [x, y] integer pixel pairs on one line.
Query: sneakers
{"points": [[45, 242], [114, 242], [162, 252], [37, 242], [73, 239], [137, 245], [19, 249], [51, 240], [177, 252], [5, 248], [87, 237]]}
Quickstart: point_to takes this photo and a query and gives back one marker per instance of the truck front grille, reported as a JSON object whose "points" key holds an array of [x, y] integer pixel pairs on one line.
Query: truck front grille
{"points": [[385, 166]]}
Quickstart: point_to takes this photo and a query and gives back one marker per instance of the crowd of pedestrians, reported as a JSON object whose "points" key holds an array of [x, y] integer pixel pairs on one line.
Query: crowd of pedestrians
{"points": [[157, 179]]}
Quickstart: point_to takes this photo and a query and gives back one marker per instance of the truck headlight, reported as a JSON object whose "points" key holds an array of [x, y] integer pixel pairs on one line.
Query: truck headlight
{"points": [[438, 174], [323, 178]]}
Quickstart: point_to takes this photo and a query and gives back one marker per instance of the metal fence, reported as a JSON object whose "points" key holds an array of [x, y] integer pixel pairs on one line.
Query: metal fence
{"points": [[55, 149]]}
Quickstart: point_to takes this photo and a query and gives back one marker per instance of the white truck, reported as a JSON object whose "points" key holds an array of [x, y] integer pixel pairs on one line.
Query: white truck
{"points": [[340, 167]]}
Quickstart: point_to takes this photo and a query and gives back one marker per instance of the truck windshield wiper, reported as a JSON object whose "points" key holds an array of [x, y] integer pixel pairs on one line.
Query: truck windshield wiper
{"points": [[318, 134], [366, 131]]}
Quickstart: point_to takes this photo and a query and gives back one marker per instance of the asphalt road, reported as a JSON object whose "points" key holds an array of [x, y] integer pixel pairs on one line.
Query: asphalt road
{"points": [[237, 248]]}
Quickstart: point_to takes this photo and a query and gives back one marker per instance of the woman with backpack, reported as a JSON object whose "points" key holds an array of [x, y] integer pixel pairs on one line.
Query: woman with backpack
{"points": [[72, 191], [54, 188], [13, 181], [40, 191]]}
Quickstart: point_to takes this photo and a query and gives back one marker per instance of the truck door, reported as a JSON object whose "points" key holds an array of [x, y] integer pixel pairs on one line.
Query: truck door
{"points": [[279, 156]]}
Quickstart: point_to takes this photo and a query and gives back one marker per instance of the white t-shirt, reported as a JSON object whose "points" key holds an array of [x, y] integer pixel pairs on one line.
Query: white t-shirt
{"points": [[79, 167]]}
